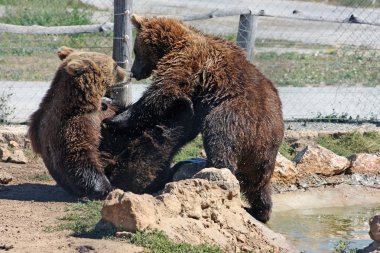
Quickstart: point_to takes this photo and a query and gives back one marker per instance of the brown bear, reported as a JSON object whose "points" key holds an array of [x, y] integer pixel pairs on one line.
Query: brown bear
{"points": [[236, 108], [141, 162], [65, 130]]}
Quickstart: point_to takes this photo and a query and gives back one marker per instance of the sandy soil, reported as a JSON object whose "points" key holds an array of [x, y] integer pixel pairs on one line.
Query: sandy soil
{"points": [[29, 206]]}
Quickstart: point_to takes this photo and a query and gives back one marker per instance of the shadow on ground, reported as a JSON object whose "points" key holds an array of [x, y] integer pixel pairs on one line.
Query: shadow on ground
{"points": [[35, 192]]}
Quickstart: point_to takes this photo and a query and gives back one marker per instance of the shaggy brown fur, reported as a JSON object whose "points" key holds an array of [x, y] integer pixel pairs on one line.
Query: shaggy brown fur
{"points": [[65, 130], [141, 163], [237, 109]]}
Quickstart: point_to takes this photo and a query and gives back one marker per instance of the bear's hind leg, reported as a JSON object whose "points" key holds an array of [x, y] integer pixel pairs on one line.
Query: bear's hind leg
{"points": [[260, 201], [255, 184]]}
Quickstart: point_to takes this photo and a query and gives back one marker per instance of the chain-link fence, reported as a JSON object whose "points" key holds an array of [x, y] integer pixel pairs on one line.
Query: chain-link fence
{"points": [[322, 55]]}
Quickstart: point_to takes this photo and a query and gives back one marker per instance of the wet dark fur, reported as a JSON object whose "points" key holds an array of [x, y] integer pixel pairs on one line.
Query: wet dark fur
{"points": [[140, 162]]}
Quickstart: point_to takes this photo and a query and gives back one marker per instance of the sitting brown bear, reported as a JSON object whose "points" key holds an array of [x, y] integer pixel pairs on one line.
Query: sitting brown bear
{"points": [[65, 130], [236, 108]]}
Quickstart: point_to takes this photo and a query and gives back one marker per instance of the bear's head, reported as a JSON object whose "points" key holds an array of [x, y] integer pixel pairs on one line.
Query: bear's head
{"points": [[103, 68], [155, 38]]}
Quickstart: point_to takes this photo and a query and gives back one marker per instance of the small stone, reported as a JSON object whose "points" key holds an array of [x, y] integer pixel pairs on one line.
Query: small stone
{"points": [[240, 238], [195, 213], [188, 168], [223, 178], [203, 154], [18, 156], [130, 211], [246, 249], [123, 234], [5, 177], [14, 144]]}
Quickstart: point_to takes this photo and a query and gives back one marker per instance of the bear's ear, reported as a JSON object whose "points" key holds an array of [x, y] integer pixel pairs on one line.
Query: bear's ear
{"points": [[138, 21], [63, 52], [77, 66]]}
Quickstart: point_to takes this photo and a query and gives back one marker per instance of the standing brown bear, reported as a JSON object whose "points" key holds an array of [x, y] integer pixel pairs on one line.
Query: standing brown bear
{"points": [[237, 109], [65, 130]]}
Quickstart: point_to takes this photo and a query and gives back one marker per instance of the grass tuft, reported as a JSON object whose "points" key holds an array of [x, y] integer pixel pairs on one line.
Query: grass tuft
{"points": [[351, 143], [158, 242], [42, 177], [82, 219], [287, 150], [190, 150]]}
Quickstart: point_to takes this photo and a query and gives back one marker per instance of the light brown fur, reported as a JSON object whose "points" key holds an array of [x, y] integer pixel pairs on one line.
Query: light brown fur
{"points": [[65, 130]]}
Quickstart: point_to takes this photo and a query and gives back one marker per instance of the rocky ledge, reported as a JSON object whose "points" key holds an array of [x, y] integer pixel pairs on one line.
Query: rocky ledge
{"points": [[204, 209]]}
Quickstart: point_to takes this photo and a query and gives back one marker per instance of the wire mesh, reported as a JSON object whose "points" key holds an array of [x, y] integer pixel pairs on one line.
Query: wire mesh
{"points": [[322, 55]]}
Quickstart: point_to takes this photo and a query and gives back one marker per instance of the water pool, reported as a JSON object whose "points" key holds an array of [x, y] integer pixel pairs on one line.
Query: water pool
{"points": [[319, 230]]}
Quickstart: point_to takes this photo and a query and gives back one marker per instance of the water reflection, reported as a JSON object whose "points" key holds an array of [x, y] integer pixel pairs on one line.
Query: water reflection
{"points": [[319, 230]]}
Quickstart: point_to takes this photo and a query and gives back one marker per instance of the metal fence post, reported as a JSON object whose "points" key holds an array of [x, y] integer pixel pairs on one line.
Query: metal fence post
{"points": [[247, 33], [122, 47]]}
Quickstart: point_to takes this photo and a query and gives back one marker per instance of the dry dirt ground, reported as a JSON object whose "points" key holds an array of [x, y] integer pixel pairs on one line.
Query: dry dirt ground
{"points": [[30, 204]]}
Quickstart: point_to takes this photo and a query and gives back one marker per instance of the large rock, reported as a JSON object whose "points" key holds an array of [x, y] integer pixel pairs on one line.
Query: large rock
{"points": [[17, 133], [4, 153], [196, 211], [321, 161], [284, 171], [364, 163], [18, 156]]}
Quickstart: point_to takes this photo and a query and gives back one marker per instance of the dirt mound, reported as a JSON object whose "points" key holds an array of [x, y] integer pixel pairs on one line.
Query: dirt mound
{"points": [[204, 209]]}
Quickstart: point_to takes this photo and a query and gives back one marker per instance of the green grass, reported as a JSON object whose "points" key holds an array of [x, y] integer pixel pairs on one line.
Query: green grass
{"points": [[341, 67], [351, 143], [33, 57], [193, 149], [46, 12], [42, 177], [83, 220], [158, 242], [267, 43], [287, 150], [190, 150]]}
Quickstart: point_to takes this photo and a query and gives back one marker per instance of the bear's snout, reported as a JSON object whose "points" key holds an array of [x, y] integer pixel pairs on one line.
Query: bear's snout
{"points": [[101, 189]]}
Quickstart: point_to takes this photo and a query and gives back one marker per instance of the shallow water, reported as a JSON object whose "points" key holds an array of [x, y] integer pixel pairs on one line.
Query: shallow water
{"points": [[320, 230]]}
